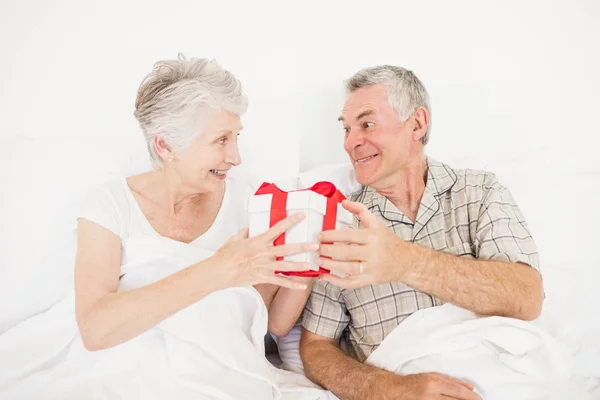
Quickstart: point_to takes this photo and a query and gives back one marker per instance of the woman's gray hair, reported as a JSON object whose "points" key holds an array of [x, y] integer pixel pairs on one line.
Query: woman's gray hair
{"points": [[173, 98], [405, 91]]}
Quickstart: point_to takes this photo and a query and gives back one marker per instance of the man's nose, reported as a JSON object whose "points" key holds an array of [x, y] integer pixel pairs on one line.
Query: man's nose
{"points": [[354, 139]]}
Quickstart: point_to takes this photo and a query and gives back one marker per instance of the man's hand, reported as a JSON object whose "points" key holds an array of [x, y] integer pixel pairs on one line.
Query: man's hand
{"points": [[369, 256], [426, 386]]}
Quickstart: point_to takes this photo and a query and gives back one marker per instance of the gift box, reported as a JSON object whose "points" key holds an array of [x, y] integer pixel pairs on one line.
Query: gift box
{"points": [[321, 205]]}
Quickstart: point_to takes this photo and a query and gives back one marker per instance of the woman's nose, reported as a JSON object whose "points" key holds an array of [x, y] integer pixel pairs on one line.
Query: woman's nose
{"points": [[233, 156]]}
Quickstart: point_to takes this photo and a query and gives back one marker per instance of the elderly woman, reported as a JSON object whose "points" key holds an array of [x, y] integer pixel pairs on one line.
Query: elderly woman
{"points": [[189, 112], [167, 282]]}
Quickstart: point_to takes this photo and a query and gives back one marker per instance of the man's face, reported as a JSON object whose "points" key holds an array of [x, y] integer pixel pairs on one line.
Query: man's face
{"points": [[377, 142]]}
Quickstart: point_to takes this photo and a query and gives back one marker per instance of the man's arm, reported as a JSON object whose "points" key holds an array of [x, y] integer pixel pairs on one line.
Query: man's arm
{"points": [[489, 287], [324, 321], [484, 287], [327, 365]]}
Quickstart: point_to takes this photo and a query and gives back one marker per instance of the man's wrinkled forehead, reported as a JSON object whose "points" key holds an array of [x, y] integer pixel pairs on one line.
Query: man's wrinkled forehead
{"points": [[363, 102], [366, 112]]}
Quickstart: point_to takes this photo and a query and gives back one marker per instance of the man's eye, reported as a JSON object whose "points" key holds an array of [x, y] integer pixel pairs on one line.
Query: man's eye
{"points": [[346, 129], [367, 125], [222, 140]]}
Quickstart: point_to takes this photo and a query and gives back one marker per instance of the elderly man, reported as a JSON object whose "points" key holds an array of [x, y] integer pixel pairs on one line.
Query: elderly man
{"points": [[430, 234]]}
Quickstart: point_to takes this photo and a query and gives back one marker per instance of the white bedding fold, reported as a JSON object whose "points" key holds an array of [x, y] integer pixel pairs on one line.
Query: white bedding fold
{"points": [[213, 349], [504, 358]]}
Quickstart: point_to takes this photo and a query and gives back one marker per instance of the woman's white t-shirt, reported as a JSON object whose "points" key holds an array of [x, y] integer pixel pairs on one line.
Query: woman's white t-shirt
{"points": [[113, 206]]}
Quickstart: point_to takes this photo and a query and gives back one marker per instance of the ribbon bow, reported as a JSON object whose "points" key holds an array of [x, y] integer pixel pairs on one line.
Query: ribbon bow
{"points": [[279, 212]]}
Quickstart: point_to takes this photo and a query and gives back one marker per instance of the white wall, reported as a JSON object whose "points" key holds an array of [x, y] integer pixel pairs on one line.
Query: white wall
{"points": [[514, 88]]}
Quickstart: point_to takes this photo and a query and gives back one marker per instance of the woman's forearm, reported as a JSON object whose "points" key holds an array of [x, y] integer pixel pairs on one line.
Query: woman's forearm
{"points": [[287, 307], [121, 316]]}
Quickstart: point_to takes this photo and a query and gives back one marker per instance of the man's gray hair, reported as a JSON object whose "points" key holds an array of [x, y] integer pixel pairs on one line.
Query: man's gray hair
{"points": [[175, 98], [405, 91]]}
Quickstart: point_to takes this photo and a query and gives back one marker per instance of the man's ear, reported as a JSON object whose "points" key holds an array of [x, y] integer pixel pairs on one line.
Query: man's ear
{"points": [[421, 122]]}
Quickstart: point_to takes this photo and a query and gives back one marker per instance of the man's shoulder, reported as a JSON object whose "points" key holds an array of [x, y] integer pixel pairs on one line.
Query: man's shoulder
{"points": [[474, 180]]}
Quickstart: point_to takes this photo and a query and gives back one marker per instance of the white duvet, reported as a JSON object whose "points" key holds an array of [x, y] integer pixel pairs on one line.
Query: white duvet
{"points": [[213, 349], [504, 358]]}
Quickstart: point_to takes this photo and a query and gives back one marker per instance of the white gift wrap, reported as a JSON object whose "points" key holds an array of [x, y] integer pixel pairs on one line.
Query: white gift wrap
{"points": [[312, 204]]}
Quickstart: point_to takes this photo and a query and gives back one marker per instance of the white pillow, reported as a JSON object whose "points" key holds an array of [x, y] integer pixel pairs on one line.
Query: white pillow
{"points": [[255, 179], [289, 350], [43, 182], [341, 175]]}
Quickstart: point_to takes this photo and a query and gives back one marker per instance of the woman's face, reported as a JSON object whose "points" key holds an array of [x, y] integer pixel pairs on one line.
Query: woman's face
{"points": [[204, 165]]}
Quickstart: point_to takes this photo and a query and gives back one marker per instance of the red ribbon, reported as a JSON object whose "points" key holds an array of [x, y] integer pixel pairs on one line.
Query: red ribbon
{"points": [[279, 212]]}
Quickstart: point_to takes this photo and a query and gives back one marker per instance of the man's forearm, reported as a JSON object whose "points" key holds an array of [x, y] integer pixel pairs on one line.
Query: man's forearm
{"points": [[484, 287], [327, 365]]}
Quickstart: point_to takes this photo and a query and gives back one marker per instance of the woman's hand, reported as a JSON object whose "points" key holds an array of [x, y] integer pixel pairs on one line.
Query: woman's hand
{"points": [[249, 261]]}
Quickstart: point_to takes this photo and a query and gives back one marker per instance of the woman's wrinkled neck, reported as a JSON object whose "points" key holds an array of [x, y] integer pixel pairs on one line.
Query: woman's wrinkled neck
{"points": [[174, 194]]}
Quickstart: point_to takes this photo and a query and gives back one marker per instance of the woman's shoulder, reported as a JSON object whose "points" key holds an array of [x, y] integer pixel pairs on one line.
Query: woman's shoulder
{"points": [[115, 192], [107, 205]]}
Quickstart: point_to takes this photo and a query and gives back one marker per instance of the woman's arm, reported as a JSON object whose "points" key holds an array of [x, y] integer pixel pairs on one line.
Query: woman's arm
{"points": [[285, 305], [106, 317]]}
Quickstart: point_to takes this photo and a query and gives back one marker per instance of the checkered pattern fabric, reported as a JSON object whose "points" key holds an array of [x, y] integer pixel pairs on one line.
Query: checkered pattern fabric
{"points": [[466, 213]]}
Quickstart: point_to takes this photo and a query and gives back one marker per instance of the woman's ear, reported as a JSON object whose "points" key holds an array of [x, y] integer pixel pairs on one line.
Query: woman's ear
{"points": [[163, 149]]}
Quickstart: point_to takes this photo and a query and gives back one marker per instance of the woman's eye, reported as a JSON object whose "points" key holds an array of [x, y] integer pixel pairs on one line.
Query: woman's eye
{"points": [[222, 140]]}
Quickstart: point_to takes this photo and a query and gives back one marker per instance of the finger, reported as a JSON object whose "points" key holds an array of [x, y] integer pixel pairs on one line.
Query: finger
{"points": [[366, 217], [458, 391], [343, 252], [286, 282], [302, 279], [344, 267], [243, 234], [345, 235], [293, 248], [350, 282], [289, 266], [276, 230]]}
